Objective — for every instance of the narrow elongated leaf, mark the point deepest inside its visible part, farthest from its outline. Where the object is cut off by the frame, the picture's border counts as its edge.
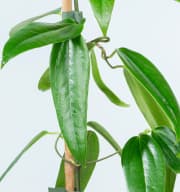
(151, 91)
(69, 73)
(171, 149)
(144, 165)
(26, 148)
(28, 21)
(85, 171)
(36, 34)
(102, 10)
(104, 133)
(44, 82)
(99, 82)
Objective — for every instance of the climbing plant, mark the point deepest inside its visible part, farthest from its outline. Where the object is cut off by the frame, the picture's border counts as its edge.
(150, 160)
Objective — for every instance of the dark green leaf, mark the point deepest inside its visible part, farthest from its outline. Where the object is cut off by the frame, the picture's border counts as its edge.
(170, 179)
(171, 149)
(85, 172)
(26, 148)
(144, 165)
(104, 133)
(57, 190)
(36, 34)
(28, 21)
(102, 10)
(99, 82)
(69, 72)
(44, 82)
(151, 91)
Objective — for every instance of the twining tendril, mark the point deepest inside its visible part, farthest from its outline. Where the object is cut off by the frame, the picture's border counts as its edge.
(106, 57)
(88, 163)
(96, 43)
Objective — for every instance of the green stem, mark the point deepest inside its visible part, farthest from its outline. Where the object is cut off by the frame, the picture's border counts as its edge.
(76, 5)
(104, 133)
(77, 179)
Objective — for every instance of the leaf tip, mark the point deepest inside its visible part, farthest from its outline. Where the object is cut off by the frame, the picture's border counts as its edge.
(2, 64)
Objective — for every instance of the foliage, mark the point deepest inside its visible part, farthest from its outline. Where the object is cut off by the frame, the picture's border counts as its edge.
(154, 153)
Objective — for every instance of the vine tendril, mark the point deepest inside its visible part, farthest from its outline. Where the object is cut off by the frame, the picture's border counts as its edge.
(88, 163)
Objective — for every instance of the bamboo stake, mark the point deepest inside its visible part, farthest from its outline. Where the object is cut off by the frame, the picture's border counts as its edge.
(69, 169)
(66, 5)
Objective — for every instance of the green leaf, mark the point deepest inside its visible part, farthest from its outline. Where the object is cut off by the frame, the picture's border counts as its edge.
(99, 82)
(85, 171)
(36, 34)
(28, 21)
(144, 165)
(171, 149)
(57, 190)
(69, 72)
(170, 180)
(151, 91)
(104, 133)
(102, 10)
(25, 149)
(44, 82)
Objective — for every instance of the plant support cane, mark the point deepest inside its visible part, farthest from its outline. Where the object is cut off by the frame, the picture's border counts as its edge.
(69, 169)
(153, 153)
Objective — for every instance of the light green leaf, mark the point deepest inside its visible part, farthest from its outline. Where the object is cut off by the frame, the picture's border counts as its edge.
(28, 21)
(44, 82)
(144, 165)
(151, 91)
(36, 34)
(167, 141)
(102, 86)
(25, 149)
(102, 10)
(69, 73)
(104, 133)
(85, 171)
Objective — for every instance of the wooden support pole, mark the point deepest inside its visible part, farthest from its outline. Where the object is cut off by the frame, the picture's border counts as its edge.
(66, 5)
(69, 171)
(68, 168)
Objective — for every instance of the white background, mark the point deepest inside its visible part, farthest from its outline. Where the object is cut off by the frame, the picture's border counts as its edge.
(150, 27)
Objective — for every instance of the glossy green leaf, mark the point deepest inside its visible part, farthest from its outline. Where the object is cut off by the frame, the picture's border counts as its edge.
(57, 190)
(44, 82)
(104, 133)
(25, 149)
(85, 171)
(171, 149)
(69, 73)
(151, 91)
(36, 34)
(144, 165)
(102, 10)
(28, 21)
(102, 86)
